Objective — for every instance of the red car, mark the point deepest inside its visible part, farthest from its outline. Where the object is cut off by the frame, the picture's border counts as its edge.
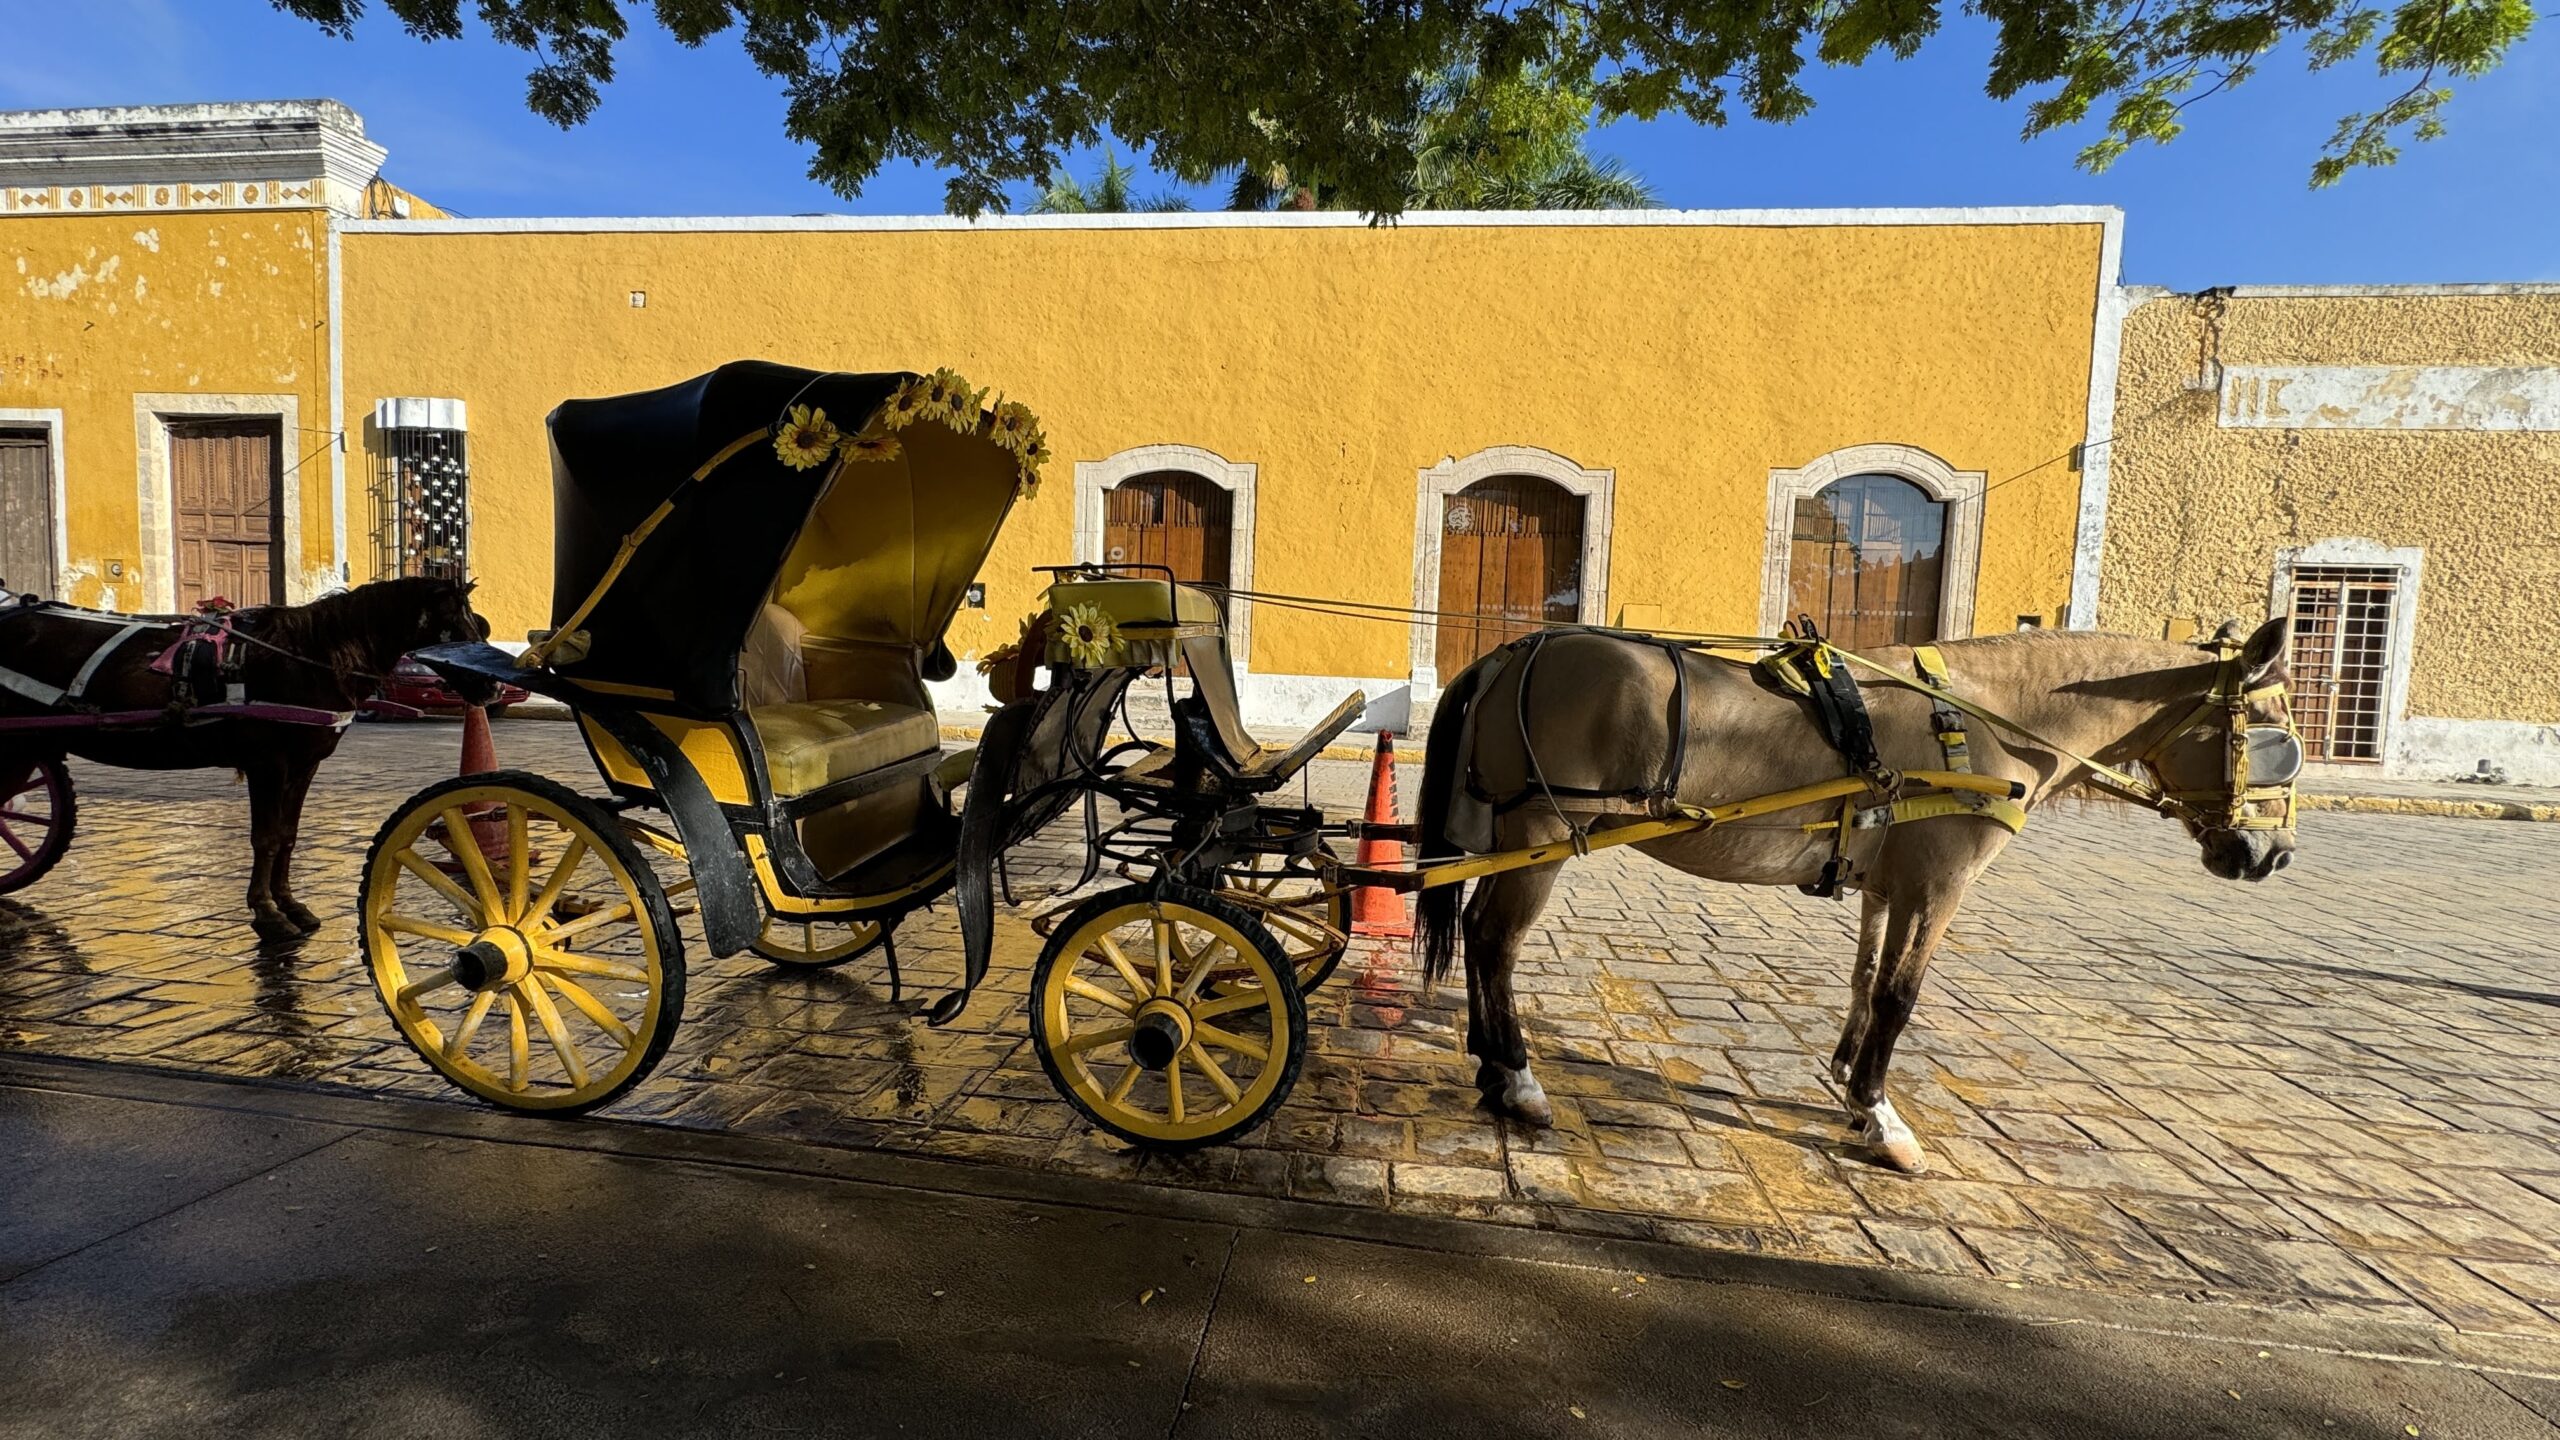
(414, 690)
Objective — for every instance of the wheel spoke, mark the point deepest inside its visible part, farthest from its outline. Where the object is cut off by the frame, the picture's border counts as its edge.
(1164, 955)
(1128, 1081)
(539, 908)
(583, 924)
(1218, 1077)
(1079, 1043)
(464, 844)
(470, 1026)
(418, 865)
(1227, 1040)
(400, 924)
(546, 957)
(1078, 985)
(1247, 999)
(1173, 1090)
(549, 1016)
(519, 859)
(591, 1007)
(8, 814)
(410, 992)
(519, 1051)
(15, 843)
(1111, 951)
(1200, 968)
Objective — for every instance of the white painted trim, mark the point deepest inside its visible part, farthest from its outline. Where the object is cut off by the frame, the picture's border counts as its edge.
(1433, 486)
(1960, 491)
(2410, 561)
(50, 421)
(2391, 292)
(337, 413)
(1093, 477)
(157, 541)
(2107, 215)
(2434, 748)
(2097, 436)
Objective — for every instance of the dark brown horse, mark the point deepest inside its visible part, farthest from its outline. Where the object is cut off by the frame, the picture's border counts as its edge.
(324, 657)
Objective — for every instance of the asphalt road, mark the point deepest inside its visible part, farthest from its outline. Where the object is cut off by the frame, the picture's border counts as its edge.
(188, 1257)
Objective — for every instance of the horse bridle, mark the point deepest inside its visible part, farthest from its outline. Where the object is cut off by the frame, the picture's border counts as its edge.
(2262, 759)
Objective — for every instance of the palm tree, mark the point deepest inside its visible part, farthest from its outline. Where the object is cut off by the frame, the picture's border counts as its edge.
(1113, 192)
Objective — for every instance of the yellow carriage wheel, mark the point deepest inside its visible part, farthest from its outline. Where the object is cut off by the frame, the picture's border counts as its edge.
(521, 943)
(1299, 904)
(815, 944)
(1124, 1024)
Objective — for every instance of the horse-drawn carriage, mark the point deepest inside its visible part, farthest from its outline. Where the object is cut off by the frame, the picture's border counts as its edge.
(749, 603)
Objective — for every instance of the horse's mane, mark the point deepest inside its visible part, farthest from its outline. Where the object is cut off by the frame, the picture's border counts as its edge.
(346, 631)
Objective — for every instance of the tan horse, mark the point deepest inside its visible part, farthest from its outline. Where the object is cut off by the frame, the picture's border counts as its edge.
(1598, 721)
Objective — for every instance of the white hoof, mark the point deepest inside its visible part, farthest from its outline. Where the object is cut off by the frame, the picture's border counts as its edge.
(1523, 1096)
(1893, 1141)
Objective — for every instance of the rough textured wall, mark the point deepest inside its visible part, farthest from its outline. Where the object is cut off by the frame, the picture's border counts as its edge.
(1691, 359)
(95, 309)
(2197, 511)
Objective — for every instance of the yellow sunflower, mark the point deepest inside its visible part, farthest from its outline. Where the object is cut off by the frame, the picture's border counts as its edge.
(873, 445)
(1088, 633)
(909, 403)
(806, 439)
(1031, 457)
(1014, 426)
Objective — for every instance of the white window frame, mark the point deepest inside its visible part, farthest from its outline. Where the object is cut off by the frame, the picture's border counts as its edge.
(1433, 485)
(1959, 490)
(1094, 477)
(50, 421)
(2410, 561)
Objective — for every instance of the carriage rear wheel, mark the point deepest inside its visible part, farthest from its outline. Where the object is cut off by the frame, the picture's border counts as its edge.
(818, 944)
(521, 942)
(1302, 908)
(37, 812)
(1124, 1022)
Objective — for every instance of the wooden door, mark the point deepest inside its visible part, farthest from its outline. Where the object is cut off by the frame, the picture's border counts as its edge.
(1171, 518)
(1868, 562)
(1511, 555)
(26, 512)
(225, 484)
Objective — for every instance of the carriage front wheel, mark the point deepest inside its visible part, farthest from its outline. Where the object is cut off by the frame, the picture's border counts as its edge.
(37, 811)
(816, 944)
(1129, 1028)
(521, 942)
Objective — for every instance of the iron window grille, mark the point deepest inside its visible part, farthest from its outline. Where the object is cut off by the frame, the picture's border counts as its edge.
(422, 503)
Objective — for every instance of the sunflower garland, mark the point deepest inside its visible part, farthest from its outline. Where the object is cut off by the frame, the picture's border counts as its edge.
(806, 438)
(1088, 633)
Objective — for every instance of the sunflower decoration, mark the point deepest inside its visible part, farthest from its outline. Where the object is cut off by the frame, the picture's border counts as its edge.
(806, 438)
(910, 402)
(1088, 633)
(954, 400)
(1031, 457)
(874, 443)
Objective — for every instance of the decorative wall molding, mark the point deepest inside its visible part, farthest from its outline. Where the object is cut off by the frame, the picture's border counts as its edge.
(1434, 484)
(1959, 490)
(1093, 477)
(266, 155)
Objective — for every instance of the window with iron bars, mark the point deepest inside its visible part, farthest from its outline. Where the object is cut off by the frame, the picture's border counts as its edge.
(2340, 658)
(422, 504)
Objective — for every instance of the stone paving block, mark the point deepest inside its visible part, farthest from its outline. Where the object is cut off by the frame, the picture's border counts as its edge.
(1545, 1179)
(1923, 1247)
(1338, 1178)
(2279, 1267)
(2107, 1170)
(2457, 1295)
(1945, 1201)
(1458, 1182)
(2022, 1255)
(1677, 1190)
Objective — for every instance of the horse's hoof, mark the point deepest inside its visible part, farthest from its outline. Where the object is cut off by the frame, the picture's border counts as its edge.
(276, 927)
(1522, 1098)
(1903, 1154)
(304, 918)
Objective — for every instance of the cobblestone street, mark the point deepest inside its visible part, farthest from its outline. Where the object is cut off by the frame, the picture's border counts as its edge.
(2334, 1092)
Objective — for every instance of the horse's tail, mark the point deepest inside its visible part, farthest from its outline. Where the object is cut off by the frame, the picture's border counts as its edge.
(1443, 770)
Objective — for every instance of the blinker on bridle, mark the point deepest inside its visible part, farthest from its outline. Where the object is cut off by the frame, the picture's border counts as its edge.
(2261, 762)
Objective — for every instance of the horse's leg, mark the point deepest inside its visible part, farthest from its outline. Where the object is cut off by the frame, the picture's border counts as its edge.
(1498, 914)
(1918, 917)
(1853, 1029)
(266, 831)
(296, 786)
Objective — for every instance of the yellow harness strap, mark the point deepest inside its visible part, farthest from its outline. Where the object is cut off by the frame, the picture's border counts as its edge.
(1947, 721)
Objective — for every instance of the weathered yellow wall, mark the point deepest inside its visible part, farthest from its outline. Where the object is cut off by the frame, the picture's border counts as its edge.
(1690, 359)
(95, 309)
(2197, 512)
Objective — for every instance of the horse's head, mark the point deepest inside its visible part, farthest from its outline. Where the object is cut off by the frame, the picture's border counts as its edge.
(2227, 770)
(445, 615)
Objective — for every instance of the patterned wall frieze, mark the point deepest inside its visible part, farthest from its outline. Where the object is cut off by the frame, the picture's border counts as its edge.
(295, 194)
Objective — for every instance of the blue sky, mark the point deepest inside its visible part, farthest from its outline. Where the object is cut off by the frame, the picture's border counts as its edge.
(700, 132)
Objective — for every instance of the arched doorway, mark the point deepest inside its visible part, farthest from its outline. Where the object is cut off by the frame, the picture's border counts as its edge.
(1511, 554)
(1171, 518)
(1868, 561)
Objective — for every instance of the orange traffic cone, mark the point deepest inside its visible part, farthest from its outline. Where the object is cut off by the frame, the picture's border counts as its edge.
(1374, 911)
(479, 757)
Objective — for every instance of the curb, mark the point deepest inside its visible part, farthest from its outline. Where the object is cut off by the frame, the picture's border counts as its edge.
(2428, 805)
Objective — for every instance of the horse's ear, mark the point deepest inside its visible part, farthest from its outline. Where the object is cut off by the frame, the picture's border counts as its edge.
(2264, 652)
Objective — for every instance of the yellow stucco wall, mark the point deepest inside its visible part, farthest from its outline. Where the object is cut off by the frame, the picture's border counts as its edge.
(1690, 359)
(2198, 511)
(97, 309)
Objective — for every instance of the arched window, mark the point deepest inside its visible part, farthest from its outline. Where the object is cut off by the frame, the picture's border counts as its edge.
(1867, 561)
(1511, 553)
(1170, 518)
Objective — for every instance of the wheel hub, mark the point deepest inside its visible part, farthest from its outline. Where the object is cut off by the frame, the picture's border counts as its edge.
(498, 958)
(1159, 1033)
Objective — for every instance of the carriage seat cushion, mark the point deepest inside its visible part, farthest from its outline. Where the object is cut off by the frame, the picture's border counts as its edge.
(814, 744)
